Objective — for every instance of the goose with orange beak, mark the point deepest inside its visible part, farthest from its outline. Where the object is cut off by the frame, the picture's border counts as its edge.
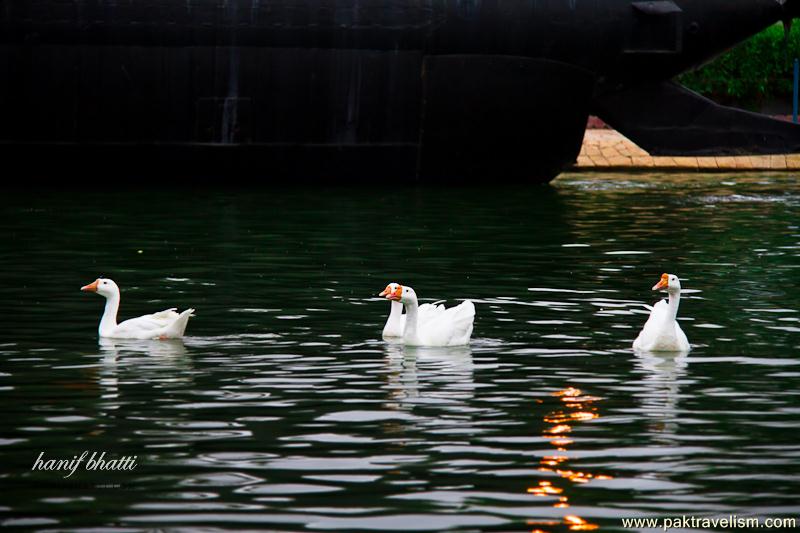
(166, 324)
(661, 332)
(435, 326)
(396, 322)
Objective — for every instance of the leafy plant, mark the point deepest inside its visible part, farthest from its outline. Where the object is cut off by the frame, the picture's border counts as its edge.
(751, 74)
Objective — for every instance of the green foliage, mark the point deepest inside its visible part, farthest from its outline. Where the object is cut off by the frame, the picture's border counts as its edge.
(755, 72)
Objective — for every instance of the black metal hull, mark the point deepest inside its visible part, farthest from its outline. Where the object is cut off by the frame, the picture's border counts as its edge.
(291, 113)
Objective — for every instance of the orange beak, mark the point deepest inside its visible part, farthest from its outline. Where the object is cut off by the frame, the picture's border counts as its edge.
(663, 283)
(392, 295)
(92, 287)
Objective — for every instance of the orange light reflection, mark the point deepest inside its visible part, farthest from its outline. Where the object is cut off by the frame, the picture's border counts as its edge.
(576, 523)
(577, 408)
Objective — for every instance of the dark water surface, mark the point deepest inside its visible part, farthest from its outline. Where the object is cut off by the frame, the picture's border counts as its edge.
(283, 409)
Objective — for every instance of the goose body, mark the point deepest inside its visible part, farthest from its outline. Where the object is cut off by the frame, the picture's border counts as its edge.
(167, 324)
(661, 332)
(435, 325)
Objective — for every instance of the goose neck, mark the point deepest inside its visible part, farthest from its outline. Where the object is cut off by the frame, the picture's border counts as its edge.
(109, 320)
(674, 302)
(396, 310)
(411, 320)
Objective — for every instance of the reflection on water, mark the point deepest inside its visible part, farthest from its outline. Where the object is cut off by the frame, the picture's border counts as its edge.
(283, 409)
(113, 348)
(447, 374)
(664, 372)
(576, 407)
(166, 357)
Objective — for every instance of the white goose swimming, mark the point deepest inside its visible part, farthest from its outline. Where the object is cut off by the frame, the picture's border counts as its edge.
(448, 327)
(661, 332)
(396, 323)
(162, 325)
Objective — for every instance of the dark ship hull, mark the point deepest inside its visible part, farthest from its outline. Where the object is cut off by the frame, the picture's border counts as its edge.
(349, 90)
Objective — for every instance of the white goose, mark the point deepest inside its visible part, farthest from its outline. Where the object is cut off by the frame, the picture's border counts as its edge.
(162, 325)
(396, 323)
(448, 327)
(661, 332)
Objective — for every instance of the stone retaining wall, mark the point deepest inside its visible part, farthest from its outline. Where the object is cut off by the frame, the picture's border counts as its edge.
(607, 149)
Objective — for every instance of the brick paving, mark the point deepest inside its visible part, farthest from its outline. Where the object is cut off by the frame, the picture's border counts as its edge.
(605, 149)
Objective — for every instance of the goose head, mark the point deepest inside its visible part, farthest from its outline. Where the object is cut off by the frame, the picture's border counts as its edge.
(102, 286)
(399, 293)
(391, 289)
(669, 283)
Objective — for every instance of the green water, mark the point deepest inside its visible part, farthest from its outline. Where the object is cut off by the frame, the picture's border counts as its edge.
(284, 410)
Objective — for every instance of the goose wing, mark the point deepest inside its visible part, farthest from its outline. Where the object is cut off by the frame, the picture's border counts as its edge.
(149, 323)
(426, 312)
(450, 327)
